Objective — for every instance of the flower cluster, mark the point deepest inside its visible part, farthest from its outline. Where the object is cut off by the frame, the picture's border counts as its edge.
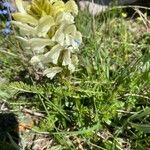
(5, 9)
(48, 34)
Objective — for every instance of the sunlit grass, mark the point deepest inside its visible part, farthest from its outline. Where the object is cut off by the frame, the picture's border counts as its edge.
(105, 103)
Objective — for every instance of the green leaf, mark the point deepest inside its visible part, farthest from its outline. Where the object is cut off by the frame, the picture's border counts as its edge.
(140, 114)
(142, 127)
(4, 94)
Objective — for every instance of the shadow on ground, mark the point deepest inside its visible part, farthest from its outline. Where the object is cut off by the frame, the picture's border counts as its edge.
(9, 136)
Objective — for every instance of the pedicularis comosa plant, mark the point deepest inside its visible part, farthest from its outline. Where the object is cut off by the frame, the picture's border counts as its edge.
(48, 34)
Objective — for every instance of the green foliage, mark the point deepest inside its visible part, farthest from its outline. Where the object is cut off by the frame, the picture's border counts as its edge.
(6, 146)
(105, 102)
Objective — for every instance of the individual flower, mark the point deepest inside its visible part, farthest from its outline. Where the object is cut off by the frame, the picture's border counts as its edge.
(9, 6)
(6, 31)
(5, 16)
